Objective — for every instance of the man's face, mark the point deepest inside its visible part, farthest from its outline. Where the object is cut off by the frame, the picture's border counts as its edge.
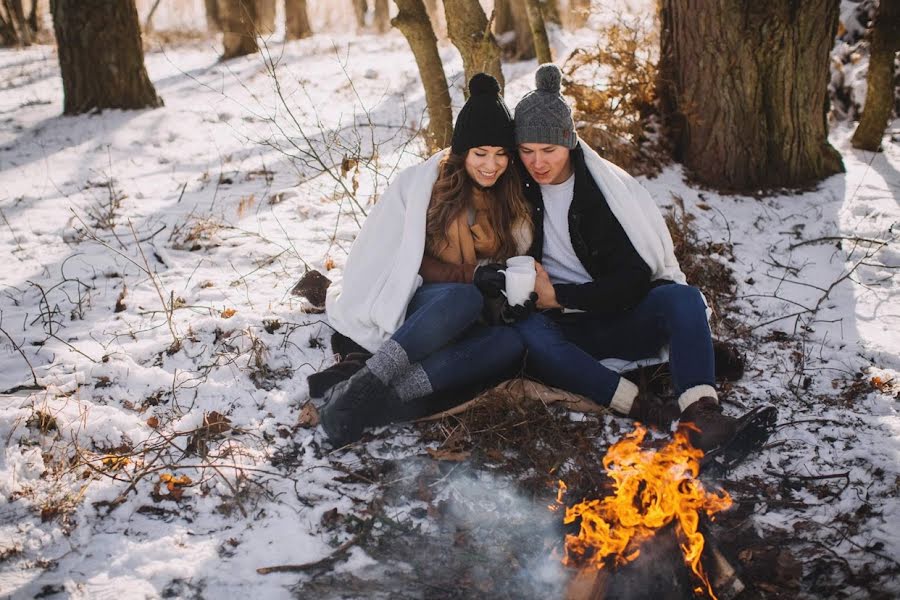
(546, 163)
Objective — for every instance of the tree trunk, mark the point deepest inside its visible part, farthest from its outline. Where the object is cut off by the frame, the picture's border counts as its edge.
(764, 127)
(34, 17)
(538, 31)
(16, 32)
(880, 78)
(523, 45)
(265, 17)
(412, 21)
(238, 19)
(382, 18)
(296, 20)
(503, 21)
(470, 32)
(551, 11)
(148, 22)
(100, 56)
(213, 21)
(360, 8)
(438, 23)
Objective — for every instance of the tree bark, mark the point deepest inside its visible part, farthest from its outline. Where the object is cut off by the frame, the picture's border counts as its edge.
(502, 17)
(885, 42)
(382, 16)
(265, 17)
(523, 46)
(34, 17)
(238, 19)
(551, 11)
(412, 21)
(213, 21)
(538, 31)
(16, 32)
(470, 32)
(764, 127)
(296, 20)
(100, 56)
(360, 8)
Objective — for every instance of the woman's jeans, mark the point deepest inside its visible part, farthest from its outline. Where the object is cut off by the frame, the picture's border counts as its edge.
(564, 349)
(442, 334)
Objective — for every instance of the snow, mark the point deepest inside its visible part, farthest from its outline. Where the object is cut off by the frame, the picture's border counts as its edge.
(229, 211)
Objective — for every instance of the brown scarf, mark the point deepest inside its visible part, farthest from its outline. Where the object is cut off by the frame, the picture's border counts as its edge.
(465, 244)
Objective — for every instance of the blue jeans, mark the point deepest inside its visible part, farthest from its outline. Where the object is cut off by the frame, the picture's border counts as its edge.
(564, 349)
(441, 333)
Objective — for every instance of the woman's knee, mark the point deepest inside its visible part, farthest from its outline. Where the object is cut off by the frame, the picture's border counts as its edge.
(679, 299)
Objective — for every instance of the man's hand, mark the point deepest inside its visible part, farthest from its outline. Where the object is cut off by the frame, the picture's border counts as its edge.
(544, 289)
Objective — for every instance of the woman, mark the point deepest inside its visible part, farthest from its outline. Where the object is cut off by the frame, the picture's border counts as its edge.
(414, 284)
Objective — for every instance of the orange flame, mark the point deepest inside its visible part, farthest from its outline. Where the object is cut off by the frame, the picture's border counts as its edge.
(652, 488)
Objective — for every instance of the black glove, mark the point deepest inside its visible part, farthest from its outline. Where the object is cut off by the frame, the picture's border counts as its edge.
(520, 312)
(489, 280)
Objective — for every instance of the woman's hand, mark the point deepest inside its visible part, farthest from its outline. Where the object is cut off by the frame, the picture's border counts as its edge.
(544, 289)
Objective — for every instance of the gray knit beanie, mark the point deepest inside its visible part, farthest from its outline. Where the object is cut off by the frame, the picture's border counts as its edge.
(542, 116)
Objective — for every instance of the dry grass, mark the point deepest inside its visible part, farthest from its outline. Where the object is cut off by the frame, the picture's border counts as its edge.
(614, 89)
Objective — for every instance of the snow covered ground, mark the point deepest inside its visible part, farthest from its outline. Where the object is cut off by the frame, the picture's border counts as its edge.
(148, 259)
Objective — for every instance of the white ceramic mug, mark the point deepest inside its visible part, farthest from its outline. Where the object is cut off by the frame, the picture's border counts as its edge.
(520, 261)
(519, 284)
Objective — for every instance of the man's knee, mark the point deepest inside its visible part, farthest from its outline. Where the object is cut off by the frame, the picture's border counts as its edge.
(679, 300)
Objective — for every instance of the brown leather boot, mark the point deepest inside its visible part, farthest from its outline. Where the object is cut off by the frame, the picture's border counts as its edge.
(650, 409)
(706, 426)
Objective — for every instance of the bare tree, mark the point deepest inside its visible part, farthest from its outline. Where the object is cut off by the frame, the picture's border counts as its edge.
(551, 11)
(100, 56)
(296, 20)
(213, 21)
(14, 27)
(885, 42)
(470, 32)
(382, 16)
(360, 8)
(413, 22)
(764, 127)
(238, 19)
(579, 11)
(511, 15)
(538, 31)
(265, 17)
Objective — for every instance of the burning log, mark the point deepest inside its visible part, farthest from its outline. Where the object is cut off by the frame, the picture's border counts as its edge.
(628, 541)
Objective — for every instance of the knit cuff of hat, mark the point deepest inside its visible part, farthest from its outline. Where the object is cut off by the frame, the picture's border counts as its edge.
(389, 362)
(413, 384)
(540, 134)
(624, 397)
(691, 395)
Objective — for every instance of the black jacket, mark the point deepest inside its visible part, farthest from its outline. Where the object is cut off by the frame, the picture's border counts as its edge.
(621, 278)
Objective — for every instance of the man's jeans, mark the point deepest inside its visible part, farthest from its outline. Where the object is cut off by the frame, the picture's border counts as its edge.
(441, 333)
(564, 349)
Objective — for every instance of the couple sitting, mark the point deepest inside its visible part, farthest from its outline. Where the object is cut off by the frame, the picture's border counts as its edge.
(422, 286)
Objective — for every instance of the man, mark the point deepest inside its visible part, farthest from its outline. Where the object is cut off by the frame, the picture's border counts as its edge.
(608, 282)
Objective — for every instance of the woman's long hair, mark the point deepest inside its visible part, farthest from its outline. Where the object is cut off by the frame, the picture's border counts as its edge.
(452, 194)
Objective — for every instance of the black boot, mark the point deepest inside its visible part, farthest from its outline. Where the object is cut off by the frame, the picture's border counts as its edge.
(352, 405)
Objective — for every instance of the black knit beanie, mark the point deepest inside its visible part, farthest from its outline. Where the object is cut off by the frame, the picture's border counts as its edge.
(484, 120)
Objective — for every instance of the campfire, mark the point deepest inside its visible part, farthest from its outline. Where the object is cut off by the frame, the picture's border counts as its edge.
(654, 493)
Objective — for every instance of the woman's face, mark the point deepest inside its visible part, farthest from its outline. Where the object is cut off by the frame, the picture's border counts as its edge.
(485, 164)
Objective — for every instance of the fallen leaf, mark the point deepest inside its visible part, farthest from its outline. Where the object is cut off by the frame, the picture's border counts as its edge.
(153, 422)
(329, 263)
(309, 416)
(228, 313)
(216, 423)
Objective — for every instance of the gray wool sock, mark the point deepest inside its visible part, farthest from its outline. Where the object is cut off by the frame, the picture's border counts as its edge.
(388, 362)
(412, 384)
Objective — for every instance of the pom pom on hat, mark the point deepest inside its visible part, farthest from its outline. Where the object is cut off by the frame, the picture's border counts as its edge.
(482, 83)
(548, 78)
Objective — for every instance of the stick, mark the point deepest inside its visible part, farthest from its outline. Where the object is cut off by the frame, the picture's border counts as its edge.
(328, 560)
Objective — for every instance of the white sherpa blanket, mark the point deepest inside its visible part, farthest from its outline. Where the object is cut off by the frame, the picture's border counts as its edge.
(382, 272)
